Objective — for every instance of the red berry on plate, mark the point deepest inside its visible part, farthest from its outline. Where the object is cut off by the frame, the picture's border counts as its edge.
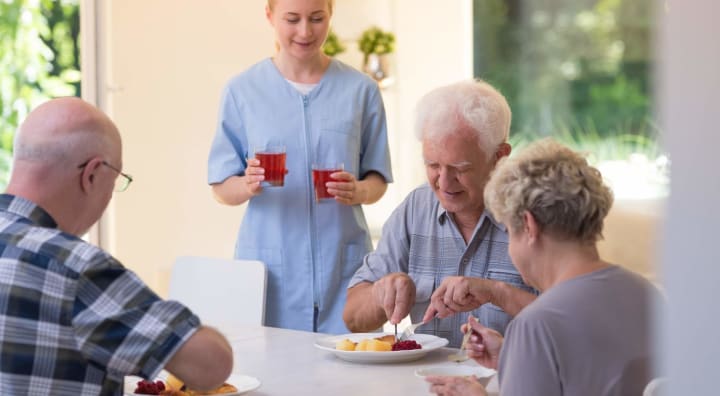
(406, 345)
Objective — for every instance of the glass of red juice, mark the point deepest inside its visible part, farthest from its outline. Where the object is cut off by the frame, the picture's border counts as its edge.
(272, 159)
(321, 175)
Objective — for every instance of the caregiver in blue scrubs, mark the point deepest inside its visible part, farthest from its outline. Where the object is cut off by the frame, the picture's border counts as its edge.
(317, 107)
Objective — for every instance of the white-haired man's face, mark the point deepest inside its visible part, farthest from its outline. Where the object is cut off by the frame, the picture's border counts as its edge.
(457, 170)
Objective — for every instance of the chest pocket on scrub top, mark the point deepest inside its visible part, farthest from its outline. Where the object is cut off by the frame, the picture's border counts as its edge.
(339, 141)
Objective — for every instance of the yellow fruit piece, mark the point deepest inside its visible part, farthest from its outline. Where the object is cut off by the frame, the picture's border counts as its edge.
(362, 345)
(382, 346)
(374, 345)
(173, 382)
(345, 345)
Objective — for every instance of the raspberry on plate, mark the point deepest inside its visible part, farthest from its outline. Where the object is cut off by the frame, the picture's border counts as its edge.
(146, 387)
(406, 345)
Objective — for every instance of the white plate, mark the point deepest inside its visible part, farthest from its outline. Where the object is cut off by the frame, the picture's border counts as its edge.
(482, 373)
(243, 383)
(428, 342)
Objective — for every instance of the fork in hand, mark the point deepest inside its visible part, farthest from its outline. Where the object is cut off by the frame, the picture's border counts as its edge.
(410, 330)
(460, 356)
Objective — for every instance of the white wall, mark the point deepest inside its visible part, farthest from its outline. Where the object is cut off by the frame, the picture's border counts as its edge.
(631, 232)
(167, 63)
(164, 63)
(690, 103)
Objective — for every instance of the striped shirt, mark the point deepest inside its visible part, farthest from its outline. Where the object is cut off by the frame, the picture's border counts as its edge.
(421, 240)
(73, 320)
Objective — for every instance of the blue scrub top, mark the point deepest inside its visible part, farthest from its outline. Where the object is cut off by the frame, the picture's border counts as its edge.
(311, 249)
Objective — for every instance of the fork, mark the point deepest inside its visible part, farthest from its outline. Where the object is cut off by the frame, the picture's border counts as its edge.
(460, 356)
(410, 330)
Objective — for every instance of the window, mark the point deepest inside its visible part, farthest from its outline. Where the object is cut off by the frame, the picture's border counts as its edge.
(39, 60)
(581, 72)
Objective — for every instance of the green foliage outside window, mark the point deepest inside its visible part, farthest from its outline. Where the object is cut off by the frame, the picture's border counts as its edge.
(39, 59)
(578, 70)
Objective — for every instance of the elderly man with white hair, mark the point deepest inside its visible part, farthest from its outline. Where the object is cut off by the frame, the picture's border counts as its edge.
(441, 238)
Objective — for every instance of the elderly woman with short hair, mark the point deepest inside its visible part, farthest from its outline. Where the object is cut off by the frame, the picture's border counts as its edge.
(588, 333)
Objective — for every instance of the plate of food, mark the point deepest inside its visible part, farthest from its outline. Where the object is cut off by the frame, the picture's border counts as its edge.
(378, 347)
(168, 385)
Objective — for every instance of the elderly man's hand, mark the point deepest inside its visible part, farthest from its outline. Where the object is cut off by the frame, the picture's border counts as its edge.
(458, 294)
(395, 293)
(456, 386)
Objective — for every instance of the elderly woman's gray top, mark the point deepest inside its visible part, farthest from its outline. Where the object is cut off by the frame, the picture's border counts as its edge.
(590, 335)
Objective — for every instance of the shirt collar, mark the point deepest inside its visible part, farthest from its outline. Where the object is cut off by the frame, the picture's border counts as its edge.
(443, 215)
(22, 207)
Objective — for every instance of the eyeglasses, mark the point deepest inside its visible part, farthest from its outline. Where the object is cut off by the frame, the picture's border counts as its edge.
(121, 183)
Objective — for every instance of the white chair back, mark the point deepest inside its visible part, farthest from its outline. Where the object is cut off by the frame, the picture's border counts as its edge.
(222, 292)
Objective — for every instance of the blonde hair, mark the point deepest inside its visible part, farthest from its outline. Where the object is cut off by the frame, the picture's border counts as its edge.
(474, 103)
(563, 192)
(330, 3)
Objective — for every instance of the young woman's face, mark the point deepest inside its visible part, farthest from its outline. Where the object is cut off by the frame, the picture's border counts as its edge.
(301, 26)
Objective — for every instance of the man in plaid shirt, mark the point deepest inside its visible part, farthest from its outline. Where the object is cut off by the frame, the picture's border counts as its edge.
(73, 320)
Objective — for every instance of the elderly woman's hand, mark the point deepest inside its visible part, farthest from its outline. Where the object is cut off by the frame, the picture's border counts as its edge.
(456, 386)
(484, 345)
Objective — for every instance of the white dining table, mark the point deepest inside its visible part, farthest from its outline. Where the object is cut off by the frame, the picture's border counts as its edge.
(287, 363)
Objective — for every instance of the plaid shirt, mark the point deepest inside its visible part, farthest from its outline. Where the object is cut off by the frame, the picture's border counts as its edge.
(73, 320)
(421, 240)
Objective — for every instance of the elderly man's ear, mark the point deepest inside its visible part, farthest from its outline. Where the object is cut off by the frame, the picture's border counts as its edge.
(503, 150)
(87, 177)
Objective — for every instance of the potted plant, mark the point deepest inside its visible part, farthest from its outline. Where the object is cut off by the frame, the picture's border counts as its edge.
(375, 44)
(333, 45)
(376, 41)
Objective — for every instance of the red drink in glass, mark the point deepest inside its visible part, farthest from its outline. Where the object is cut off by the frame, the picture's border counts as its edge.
(320, 177)
(274, 165)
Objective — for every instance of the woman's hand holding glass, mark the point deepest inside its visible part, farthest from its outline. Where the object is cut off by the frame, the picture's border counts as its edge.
(254, 175)
(346, 190)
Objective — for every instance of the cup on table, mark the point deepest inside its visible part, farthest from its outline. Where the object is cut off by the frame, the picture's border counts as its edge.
(320, 175)
(272, 159)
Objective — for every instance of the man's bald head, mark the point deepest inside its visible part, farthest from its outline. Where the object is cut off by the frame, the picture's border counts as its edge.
(61, 158)
(65, 130)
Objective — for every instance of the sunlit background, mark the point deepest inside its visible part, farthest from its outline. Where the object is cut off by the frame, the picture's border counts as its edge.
(582, 71)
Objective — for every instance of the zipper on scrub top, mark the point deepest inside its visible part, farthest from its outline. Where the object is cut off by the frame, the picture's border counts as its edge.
(313, 241)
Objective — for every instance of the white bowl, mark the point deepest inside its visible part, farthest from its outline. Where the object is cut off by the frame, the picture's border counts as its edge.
(482, 373)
